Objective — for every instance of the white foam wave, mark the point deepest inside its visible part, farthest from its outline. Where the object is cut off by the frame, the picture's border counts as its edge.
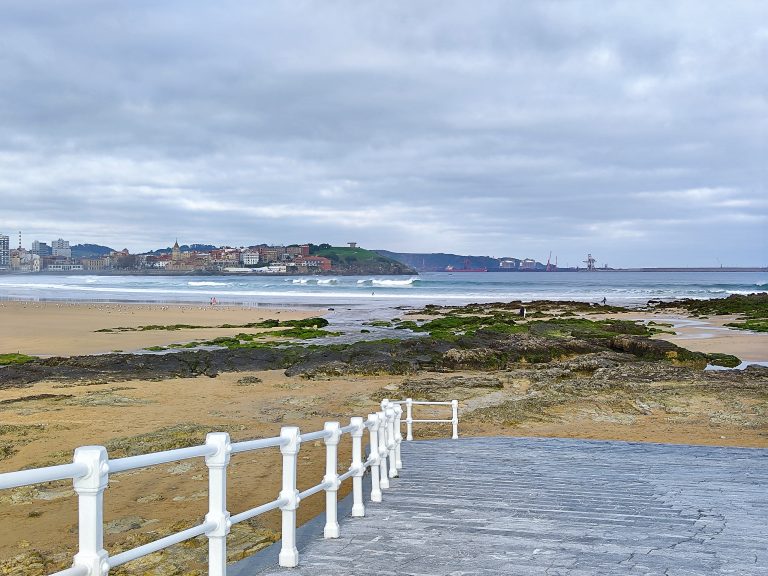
(409, 282)
(208, 283)
(328, 281)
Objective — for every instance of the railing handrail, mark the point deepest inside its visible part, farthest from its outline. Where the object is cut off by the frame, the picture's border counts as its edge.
(40, 475)
(91, 469)
(158, 458)
(410, 421)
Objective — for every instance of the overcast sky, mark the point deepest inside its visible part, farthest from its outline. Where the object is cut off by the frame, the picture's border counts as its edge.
(637, 131)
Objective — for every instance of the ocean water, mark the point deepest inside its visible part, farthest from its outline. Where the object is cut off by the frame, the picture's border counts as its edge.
(371, 292)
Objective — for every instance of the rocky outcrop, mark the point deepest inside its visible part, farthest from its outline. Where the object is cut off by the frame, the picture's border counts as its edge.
(424, 387)
(377, 357)
(117, 367)
(492, 351)
(484, 350)
(657, 350)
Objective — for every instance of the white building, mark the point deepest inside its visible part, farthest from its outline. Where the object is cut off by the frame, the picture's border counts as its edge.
(23, 261)
(274, 269)
(64, 267)
(250, 258)
(61, 247)
(5, 252)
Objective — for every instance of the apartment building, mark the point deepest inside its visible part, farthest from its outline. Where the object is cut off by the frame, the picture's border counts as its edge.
(5, 252)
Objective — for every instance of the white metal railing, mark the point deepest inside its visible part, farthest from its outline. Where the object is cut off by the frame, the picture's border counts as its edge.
(91, 469)
(410, 421)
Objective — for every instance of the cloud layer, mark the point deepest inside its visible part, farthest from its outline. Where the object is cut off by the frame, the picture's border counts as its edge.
(637, 132)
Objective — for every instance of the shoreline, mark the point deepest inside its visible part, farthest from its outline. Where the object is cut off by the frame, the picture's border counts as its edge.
(47, 329)
(707, 336)
(195, 273)
(70, 327)
(145, 272)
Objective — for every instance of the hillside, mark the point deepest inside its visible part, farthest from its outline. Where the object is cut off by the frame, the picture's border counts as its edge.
(360, 261)
(184, 248)
(424, 262)
(90, 250)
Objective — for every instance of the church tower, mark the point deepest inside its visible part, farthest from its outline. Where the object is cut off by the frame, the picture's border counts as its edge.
(176, 252)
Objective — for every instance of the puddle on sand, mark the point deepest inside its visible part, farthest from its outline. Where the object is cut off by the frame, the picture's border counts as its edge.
(739, 367)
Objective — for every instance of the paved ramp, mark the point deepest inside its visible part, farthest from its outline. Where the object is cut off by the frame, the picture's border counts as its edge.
(486, 506)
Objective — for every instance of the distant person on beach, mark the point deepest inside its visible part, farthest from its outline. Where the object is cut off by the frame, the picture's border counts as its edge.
(604, 300)
(522, 312)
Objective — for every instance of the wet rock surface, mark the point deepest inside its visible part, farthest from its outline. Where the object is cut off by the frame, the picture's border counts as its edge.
(483, 351)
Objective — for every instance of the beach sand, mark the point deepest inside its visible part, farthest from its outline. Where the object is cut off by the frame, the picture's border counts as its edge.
(69, 329)
(704, 335)
(42, 425)
(45, 432)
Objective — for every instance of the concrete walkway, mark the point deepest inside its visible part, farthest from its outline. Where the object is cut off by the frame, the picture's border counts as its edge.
(487, 506)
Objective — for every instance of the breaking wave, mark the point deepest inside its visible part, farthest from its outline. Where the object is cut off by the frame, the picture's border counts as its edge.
(388, 283)
(209, 283)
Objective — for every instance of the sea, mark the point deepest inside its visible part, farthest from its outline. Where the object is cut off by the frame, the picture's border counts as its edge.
(630, 289)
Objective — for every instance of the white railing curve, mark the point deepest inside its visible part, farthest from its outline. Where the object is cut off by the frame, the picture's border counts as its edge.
(91, 469)
(410, 421)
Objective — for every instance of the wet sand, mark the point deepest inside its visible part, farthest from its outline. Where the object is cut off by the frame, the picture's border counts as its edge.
(67, 329)
(704, 335)
(70, 329)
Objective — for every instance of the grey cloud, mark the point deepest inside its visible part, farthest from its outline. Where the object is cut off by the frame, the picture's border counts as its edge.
(495, 127)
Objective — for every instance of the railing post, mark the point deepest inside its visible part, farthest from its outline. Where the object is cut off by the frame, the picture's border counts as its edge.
(331, 529)
(358, 508)
(383, 475)
(398, 435)
(373, 434)
(391, 442)
(409, 419)
(217, 502)
(455, 418)
(289, 555)
(90, 493)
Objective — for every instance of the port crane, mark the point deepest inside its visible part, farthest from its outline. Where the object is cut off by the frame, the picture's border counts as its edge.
(551, 267)
(590, 262)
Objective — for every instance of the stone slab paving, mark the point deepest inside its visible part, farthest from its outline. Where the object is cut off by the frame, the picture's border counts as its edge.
(485, 506)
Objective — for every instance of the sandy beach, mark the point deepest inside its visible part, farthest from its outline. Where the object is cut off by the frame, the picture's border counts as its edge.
(42, 424)
(703, 335)
(69, 329)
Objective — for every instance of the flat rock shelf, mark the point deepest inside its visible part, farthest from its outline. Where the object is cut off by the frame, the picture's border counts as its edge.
(489, 506)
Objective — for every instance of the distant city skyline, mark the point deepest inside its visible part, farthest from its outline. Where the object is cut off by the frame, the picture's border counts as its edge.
(637, 132)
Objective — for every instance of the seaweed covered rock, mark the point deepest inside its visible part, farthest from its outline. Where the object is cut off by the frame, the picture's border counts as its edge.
(657, 350)
(374, 357)
(473, 358)
(589, 363)
(456, 386)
